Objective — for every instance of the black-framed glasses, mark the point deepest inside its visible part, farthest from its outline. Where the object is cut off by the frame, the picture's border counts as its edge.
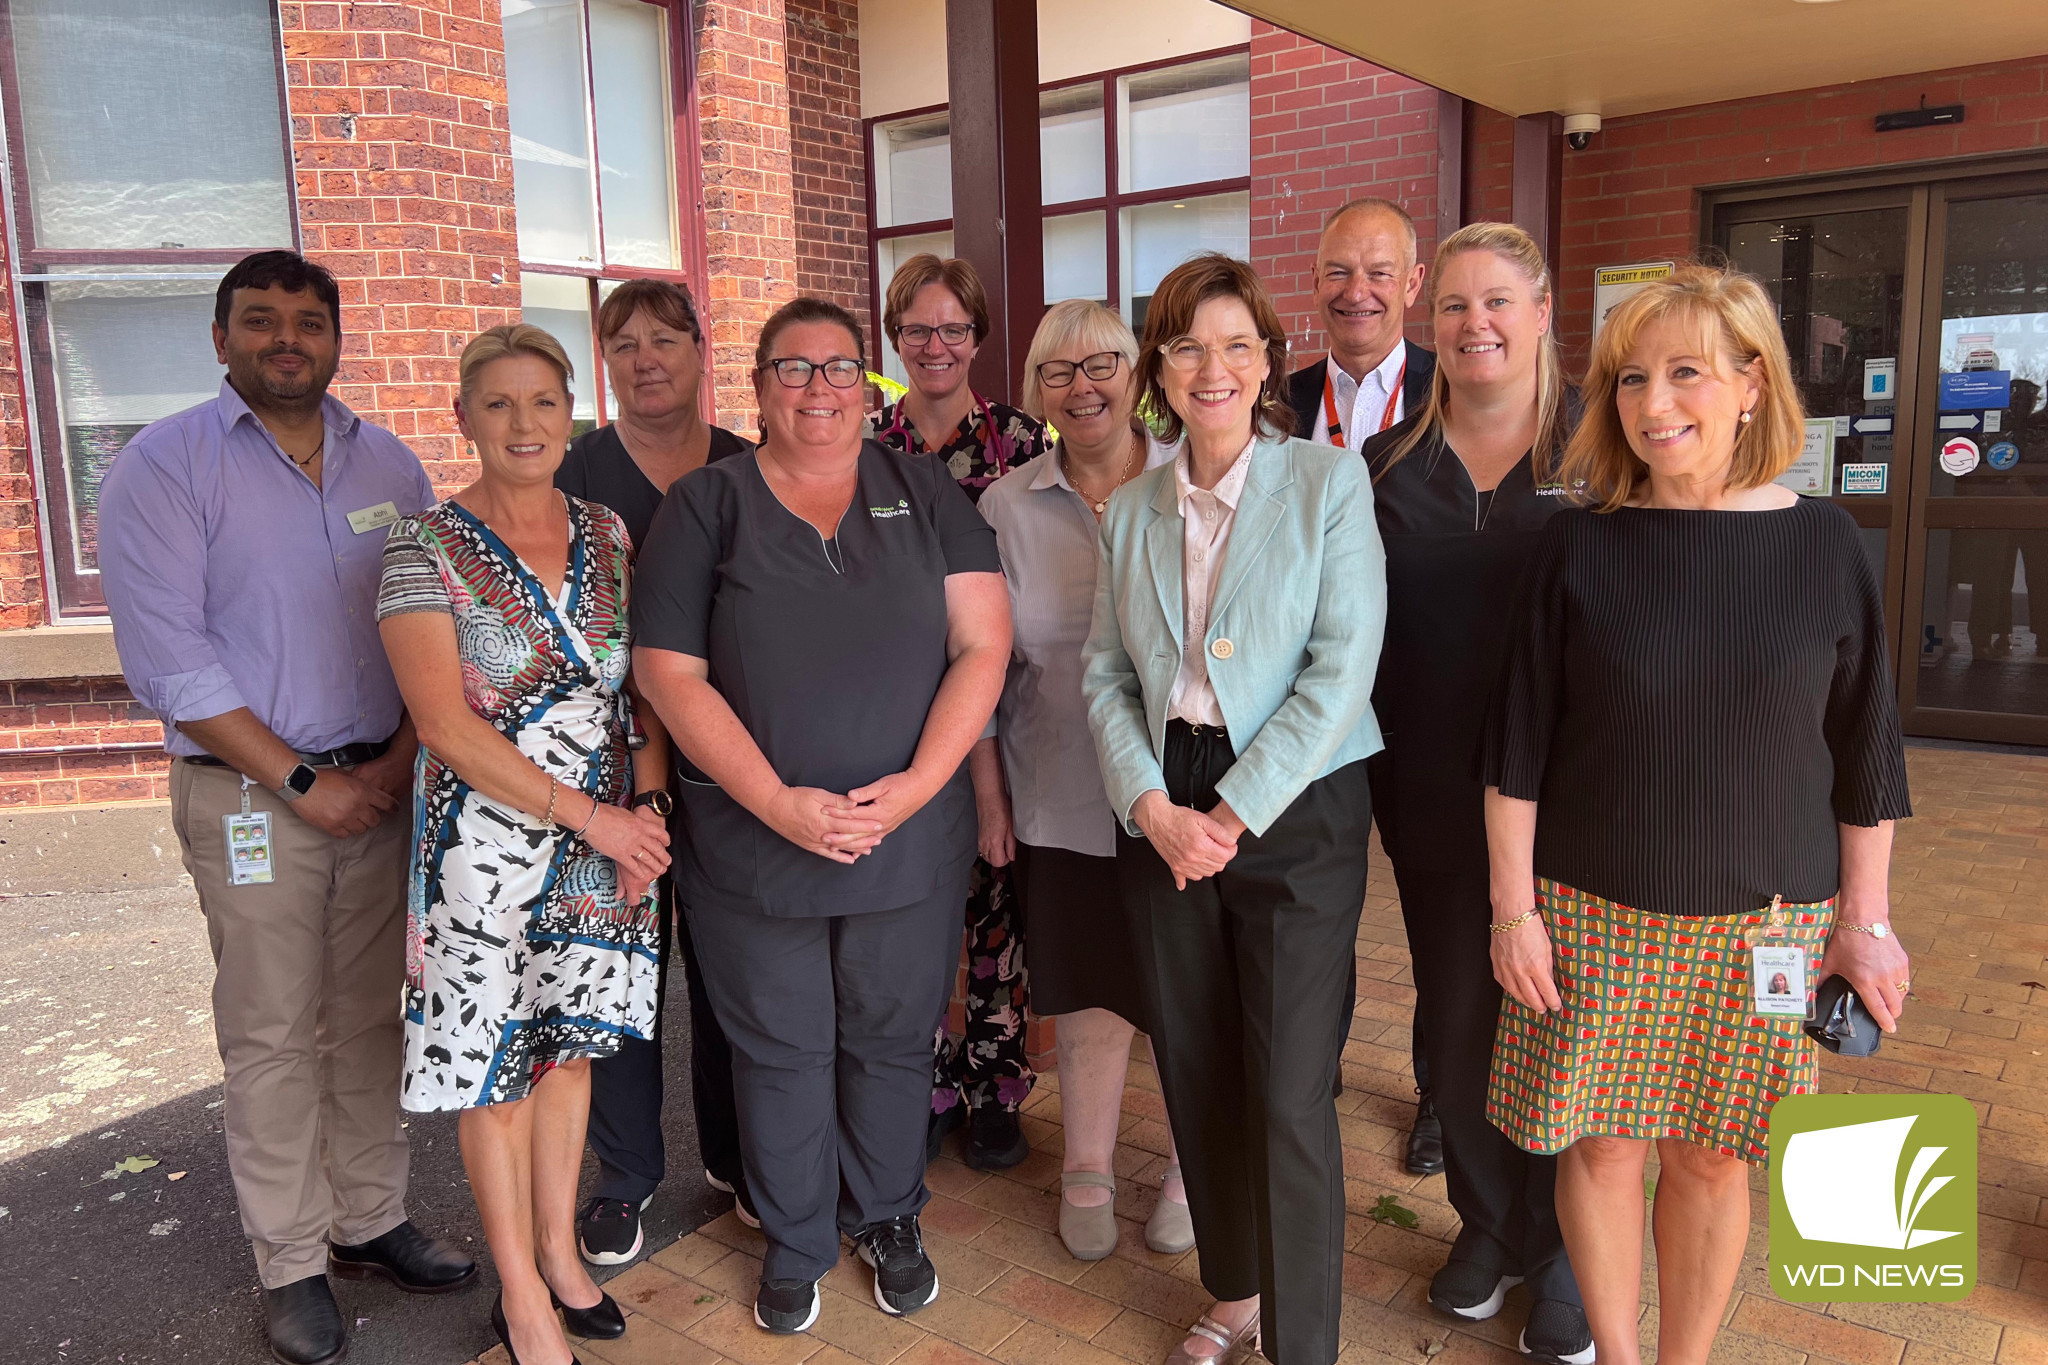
(1058, 374)
(915, 335)
(1238, 352)
(795, 373)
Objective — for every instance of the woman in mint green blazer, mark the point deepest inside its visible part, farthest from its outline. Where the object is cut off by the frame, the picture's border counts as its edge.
(1228, 675)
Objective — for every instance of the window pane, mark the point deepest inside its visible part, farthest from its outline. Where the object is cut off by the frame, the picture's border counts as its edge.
(891, 252)
(129, 146)
(550, 130)
(560, 305)
(1158, 237)
(124, 353)
(629, 63)
(1070, 144)
(1187, 124)
(1983, 620)
(914, 171)
(1076, 258)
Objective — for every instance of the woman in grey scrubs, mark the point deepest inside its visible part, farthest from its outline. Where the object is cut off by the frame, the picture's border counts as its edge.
(823, 627)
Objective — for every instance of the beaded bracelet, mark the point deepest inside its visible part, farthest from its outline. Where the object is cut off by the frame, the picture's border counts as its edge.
(1517, 922)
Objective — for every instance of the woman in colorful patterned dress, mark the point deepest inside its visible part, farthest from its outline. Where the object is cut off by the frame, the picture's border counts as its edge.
(533, 940)
(936, 316)
(1694, 753)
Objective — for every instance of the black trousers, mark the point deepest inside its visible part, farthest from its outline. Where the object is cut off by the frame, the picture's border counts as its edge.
(830, 1020)
(626, 1088)
(1247, 969)
(1505, 1196)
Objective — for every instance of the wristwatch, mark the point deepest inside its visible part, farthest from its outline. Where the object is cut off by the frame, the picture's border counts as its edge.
(1874, 930)
(664, 804)
(297, 782)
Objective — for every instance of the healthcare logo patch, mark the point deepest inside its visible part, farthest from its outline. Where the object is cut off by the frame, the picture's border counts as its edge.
(1873, 1198)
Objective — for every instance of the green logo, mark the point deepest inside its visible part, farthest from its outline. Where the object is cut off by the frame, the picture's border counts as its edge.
(1873, 1198)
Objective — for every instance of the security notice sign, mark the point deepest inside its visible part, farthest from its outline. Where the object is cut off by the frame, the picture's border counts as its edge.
(1613, 283)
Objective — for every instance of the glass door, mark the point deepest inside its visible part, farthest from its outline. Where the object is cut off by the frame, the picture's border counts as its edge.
(1839, 267)
(1979, 581)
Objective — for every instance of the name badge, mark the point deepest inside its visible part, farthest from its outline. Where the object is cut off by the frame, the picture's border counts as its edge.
(372, 518)
(248, 839)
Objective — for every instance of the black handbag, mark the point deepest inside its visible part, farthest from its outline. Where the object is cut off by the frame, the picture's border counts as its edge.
(1841, 1023)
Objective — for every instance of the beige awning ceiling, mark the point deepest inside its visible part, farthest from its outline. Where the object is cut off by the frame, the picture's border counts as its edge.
(1615, 57)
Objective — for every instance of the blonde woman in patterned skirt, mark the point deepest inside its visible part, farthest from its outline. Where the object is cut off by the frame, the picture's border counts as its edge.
(1695, 743)
(533, 942)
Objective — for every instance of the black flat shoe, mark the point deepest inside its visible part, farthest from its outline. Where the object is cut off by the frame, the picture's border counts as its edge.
(602, 1321)
(415, 1262)
(304, 1322)
(1425, 1155)
(995, 1139)
(505, 1333)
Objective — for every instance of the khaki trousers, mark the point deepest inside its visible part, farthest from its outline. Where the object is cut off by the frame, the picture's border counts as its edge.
(306, 1010)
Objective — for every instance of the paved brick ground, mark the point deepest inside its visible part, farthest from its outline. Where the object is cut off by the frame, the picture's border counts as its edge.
(1971, 901)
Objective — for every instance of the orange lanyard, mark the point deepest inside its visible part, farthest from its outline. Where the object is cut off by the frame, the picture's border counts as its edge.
(1330, 420)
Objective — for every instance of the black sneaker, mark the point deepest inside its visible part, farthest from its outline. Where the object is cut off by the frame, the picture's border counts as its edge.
(1557, 1333)
(609, 1232)
(905, 1278)
(786, 1307)
(996, 1142)
(743, 1204)
(1470, 1290)
(943, 1121)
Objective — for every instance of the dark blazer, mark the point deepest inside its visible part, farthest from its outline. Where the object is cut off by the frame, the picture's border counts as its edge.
(1305, 388)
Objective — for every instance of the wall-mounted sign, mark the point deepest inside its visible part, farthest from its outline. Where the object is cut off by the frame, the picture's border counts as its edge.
(1813, 471)
(1880, 379)
(1976, 389)
(1613, 283)
(1959, 455)
(1864, 478)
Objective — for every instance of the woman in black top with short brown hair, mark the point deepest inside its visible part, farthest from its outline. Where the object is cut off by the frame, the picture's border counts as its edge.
(1462, 490)
(655, 357)
(1694, 763)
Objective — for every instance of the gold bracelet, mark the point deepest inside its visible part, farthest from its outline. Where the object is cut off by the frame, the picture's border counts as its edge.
(554, 789)
(1517, 922)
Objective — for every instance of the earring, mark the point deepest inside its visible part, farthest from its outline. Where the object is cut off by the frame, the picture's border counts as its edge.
(1745, 414)
(472, 444)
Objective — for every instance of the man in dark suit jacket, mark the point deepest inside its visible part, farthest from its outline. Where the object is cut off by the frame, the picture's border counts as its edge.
(1367, 278)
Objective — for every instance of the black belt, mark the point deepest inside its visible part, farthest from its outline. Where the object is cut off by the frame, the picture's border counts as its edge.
(1199, 731)
(347, 756)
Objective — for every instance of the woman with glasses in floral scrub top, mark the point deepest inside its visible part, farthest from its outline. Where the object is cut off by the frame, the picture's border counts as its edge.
(936, 315)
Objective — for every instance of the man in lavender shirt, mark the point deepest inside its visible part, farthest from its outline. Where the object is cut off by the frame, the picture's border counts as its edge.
(240, 547)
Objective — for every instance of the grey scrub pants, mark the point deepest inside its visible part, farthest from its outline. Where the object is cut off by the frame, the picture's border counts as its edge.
(830, 1021)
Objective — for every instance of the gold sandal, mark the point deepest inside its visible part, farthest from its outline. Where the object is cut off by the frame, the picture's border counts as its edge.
(1226, 1340)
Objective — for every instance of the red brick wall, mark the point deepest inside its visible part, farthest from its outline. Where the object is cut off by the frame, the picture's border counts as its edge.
(73, 712)
(1489, 166)
(403, 154)
(1633, 194)
(1327, 128)
(21, 554)
(749, 211)
(828, 167)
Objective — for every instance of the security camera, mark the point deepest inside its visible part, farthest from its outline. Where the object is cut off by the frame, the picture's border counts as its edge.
(1579, 130)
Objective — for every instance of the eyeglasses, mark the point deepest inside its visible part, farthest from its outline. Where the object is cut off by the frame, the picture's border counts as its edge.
(1058, 374)
(1238, 353)
(915, 335)
(796, 374)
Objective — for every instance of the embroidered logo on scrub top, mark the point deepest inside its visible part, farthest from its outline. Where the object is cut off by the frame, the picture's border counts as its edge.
(901, 509)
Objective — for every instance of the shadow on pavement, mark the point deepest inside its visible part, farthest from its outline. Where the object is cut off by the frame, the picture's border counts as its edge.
(138, 1267)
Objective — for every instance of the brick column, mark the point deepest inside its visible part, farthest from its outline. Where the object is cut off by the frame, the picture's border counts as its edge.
(403, 155)
(749, 205)
(828, 165)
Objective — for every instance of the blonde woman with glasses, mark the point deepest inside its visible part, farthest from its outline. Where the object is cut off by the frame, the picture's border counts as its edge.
(1055, 816)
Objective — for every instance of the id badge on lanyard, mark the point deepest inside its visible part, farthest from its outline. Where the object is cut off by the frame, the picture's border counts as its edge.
(248, 844)
(1777, 968)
